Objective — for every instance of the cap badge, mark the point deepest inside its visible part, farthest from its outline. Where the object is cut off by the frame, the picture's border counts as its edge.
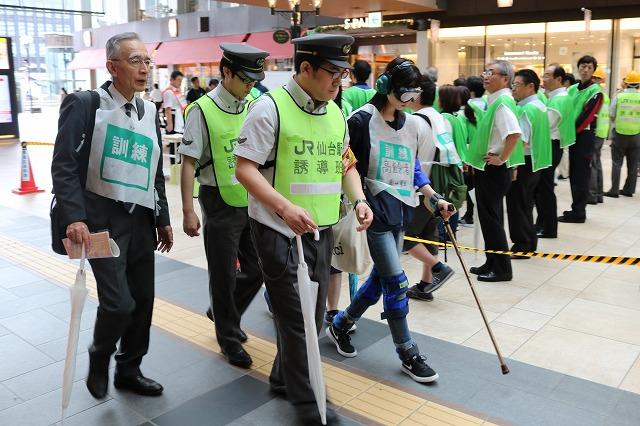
(346, 48)
(260, 62)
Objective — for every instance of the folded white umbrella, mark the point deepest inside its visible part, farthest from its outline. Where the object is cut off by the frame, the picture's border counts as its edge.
(78, 297)
(308, 291)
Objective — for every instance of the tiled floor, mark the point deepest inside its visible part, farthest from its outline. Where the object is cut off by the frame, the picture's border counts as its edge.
(579, 319)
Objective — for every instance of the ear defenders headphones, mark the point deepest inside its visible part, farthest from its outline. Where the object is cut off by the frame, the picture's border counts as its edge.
(383, 83)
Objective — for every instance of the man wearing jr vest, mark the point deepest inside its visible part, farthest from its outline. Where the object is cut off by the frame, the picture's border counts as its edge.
(625, 113)
(111, 178)
(563, 134)
(587, 101)
(294, 160)
(496, 140)
(596, 191)
(532, 116)
(211, 132)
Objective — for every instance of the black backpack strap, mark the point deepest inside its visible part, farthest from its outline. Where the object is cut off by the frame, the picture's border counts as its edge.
(426, 118)
(91, 103)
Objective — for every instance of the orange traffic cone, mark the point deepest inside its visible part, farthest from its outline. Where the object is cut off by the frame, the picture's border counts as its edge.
(27, 182)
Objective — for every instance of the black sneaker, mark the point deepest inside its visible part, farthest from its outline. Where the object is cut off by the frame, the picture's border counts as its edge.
(439, 278)
(342, 342)
(330, 315)
(414, 292)
(416, 367)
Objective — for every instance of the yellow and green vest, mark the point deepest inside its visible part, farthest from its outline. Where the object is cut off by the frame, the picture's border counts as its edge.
(628, 113)
(223, 128)
(480, 145)
(308, 163)
(540, 137)
(581, 97)
(604, 124)
(563, 105)
(253, 95)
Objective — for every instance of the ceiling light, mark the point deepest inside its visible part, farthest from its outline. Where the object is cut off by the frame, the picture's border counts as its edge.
(505, 3)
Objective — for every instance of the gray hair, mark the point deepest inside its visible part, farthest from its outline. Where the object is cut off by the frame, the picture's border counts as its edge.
(432, 73)
(113, 44)
(506, 69)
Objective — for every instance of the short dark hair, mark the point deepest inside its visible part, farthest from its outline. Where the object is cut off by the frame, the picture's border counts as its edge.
(449, 98)
(558, 71)
(194, 79)
(176, 74)
(305, 57)
(570, 78)
(588, 59)
(428, 87)
(226, 63)
(405, 76)
(214, 81)
(361, 70)
(529, 77)
(460, 81)
(475, 85)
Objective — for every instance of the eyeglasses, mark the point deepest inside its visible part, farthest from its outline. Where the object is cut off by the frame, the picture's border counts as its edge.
(136, 61)
(489, 73)
(246, 80)
(336, 74)
(515, 85)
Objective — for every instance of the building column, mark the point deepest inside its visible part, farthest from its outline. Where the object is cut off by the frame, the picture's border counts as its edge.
(423, 50)
(614, 65)
(86, 24)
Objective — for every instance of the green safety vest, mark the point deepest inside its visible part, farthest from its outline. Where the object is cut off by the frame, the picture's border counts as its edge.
(628, 113)
(308, 163)
(223, 128)
(581, 97)
(480, 145)
(603, 124)
(542, 97)
(459, 134)
(357, 96)
(347, 108)
(563, 105)
(253, 94)
(540, 138)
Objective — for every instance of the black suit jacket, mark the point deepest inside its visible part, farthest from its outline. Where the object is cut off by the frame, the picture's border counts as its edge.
(71, 155)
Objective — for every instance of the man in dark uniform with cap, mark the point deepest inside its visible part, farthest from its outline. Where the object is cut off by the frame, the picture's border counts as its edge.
(294, 170)
(211, 132)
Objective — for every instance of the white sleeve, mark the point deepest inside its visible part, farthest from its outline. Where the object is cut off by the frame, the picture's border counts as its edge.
(169, 99)
(258, 134)
(506, 122)
(195, 134)
(523, 121)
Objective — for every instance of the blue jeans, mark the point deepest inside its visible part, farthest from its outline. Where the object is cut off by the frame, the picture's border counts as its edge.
(385, 248)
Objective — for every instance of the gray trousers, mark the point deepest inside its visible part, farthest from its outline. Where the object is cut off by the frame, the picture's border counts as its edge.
(278, 259)
(624, 146)
(596, 184)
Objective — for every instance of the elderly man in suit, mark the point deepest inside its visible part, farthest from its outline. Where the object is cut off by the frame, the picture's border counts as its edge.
(107, 174)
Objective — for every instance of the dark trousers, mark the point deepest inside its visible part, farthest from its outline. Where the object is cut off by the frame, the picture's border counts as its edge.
(125, 284)
(580, 155)
(492, 185)
(227, 239)
(520, 200)
(546, 202)
(596, 191)
(279, 262)
(468, 180)
(624, 146)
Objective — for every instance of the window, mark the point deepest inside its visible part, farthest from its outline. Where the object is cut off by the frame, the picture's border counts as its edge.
(459, 52)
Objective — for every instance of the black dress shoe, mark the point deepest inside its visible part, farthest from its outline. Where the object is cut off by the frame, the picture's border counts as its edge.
(240, 358)
(545, 235)
(479, 270)
(210, 314)
(626, 194)
(571, 218)
(97, 383)
(611, 194)
(493, 277)
(600, 200)
(139, 384)
(592, 201)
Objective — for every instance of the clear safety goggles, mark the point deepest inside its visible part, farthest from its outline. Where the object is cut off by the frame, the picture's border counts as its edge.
(407, 94)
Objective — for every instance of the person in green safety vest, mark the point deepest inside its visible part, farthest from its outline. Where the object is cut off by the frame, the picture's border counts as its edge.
(596, 190)
(496, 140)
(563, 134)
(213, 124)
(360, 93)
(293, 157)
(587, 100)
(534, 122)
(625, 113)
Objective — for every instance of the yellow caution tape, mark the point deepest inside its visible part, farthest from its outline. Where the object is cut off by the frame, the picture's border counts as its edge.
(615, 260)
(39, 143)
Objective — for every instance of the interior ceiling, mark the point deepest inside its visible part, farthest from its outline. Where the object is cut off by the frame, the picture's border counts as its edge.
(356, 8)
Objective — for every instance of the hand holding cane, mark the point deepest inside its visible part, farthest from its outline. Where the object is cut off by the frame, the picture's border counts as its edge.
(503, 365)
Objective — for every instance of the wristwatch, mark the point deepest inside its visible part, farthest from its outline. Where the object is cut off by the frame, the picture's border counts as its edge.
(358, 201)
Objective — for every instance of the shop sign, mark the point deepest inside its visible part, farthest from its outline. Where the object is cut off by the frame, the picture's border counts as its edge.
(522, 55)
(280, 36)
(373, 20)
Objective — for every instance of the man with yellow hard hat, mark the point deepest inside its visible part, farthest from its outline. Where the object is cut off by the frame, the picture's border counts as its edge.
(625, 113)
(602, 133)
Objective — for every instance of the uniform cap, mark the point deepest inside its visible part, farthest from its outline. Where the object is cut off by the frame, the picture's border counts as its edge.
(334, 48)
(245, 58)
